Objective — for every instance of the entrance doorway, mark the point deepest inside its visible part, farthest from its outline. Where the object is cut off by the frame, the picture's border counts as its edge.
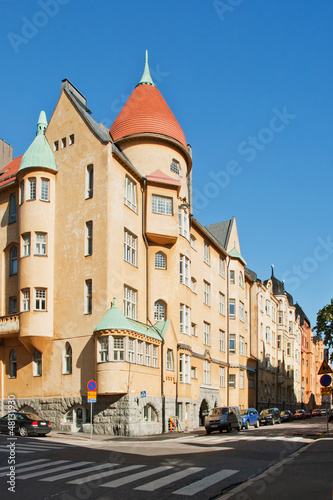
(203, 412)
(77, 416)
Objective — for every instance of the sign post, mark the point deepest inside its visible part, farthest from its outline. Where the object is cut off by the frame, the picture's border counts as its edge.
(326, 390)
(92, 398)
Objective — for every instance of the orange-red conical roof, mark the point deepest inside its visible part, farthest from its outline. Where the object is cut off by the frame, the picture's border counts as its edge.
(147, 112)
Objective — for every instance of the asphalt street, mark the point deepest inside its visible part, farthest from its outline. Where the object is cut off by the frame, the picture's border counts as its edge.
(255, 463)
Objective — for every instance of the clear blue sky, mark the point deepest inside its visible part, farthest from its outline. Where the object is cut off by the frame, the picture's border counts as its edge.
(250, 83)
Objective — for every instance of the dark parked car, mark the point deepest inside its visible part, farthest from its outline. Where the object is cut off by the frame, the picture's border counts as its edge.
(24, 424)
(250, 416)
(300, 415)
(308, 414)
(330, 415)
(316, 413)
(223, 418)
(287, 416)
(270, 416)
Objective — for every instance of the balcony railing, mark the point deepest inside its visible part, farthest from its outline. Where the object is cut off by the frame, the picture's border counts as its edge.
(9, 325)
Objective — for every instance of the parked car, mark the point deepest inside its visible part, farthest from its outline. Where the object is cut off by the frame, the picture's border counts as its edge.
(308, 414)
(323, 411)
(250, 416)
(286, 416)
(330, 415)
(316, 413)
(299, 415)
(24, 424)
(223, 419)
(270, 416)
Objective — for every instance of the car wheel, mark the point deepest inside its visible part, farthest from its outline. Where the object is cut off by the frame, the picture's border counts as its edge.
(42, 435)
(257, 424)
(23, 431)
(229, 428)
(247, 425)
(239, 428)
(273, 421)
(208, 431)
(279, 421)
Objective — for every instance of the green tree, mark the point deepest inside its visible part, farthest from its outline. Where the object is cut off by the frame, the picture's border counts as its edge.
(324, 325)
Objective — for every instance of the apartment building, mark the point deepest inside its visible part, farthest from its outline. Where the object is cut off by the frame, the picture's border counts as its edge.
(106, 275)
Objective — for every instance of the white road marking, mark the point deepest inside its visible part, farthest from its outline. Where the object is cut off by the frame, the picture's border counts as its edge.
(84, 470)
(171, 478)
(98, 476)
(204, 483)
(134, 477)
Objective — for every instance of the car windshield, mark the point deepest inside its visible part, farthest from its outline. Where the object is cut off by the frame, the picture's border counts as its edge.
(244, 412)
(267, 412)
(219, 411)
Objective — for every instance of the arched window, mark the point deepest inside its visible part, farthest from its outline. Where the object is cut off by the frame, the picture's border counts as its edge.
(148, 414)
(241, 280)
(13, 261)
(37, 363)
(159, 311)
(12, 364)
(68, 359)
(160, 260)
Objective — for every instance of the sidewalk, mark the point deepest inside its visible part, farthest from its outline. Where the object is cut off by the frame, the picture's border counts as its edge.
(306, 474)
(107, 437)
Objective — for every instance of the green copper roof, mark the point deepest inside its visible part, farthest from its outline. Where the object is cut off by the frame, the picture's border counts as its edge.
(235, 253)
(39, 153)
(146, 78)
(114, 319)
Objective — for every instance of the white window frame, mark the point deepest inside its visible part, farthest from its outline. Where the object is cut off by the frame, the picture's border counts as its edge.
(45, 189)
(185, 319)
(32, 188)
(139, 351)
(88, 296)
(37, 363)
(130, 199)
(130, 302)
(206, 253)
(162, 205)
(160, 260)
(222, 303)
(184, 270)
(26, 239)
(241, 311)
(118, 348)
(241, 345)
(232, 338)
(89, 181)
(67, 359)
(25, 300)
(206, 333)
(232, 381)
(169, 360)
(222, 266)
(41, 243)
(89, 238)
(222, 376)
(232, 303)
(241, 379)
(206, 372)
(131, 350)
(206, 293)
(183, 221)
(184, 368)
(232, 276)
(40, 299)
(103, 349)
(155, 356)
(222, 343)
(130, 247)
(159, 310)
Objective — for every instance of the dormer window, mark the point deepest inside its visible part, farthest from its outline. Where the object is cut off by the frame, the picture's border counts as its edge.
(175, 167)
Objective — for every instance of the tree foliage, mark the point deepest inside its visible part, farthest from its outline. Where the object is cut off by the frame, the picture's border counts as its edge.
(324, 325)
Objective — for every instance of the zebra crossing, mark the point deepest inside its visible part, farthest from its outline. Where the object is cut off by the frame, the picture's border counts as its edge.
(114, 475)
(24, 448)
(218, 439)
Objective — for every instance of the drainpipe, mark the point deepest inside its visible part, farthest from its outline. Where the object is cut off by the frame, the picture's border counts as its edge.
(144, 208)
(228, 329)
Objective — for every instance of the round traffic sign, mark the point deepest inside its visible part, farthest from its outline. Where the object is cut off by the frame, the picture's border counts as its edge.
(325, 380)
(92, 386)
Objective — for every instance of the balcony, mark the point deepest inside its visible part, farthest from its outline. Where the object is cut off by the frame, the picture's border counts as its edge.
(9, 325)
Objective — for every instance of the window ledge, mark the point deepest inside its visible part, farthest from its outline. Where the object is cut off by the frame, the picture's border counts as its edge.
(45, 201)
(40, 255)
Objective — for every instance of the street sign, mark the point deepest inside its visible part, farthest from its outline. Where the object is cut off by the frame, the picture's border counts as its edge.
(326, 391)
(325, 380)
(92, 396)
(143, 394)
(92, 386)
(325, 368)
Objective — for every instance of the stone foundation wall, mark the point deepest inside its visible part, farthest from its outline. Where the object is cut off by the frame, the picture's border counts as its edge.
(116, 415)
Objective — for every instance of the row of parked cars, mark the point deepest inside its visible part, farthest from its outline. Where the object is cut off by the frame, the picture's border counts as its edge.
(228, 418)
